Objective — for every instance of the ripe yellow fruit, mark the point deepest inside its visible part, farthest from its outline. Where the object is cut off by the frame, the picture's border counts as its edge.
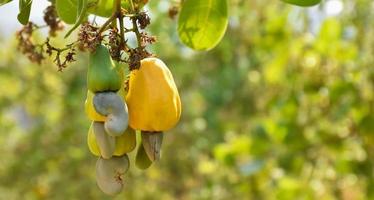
(90, 109)
(91, 141)
(124, 143)
(153, 99)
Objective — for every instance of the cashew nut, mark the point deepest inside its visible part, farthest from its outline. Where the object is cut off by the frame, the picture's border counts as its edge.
(110, 172)
(106, 143)
(152, 142)
(112, 106)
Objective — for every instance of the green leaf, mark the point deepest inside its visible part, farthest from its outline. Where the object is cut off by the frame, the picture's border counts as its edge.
(65, 10)
(202, 24)
(81, 13)
(24, 11)
(2, 2)
(304, 3)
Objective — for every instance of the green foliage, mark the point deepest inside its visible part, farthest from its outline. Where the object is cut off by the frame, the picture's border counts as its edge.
(202, 24)
(24, 11)
(2, 2)
(278, 110)
(66, 10)
(303, 2)
(81, 14)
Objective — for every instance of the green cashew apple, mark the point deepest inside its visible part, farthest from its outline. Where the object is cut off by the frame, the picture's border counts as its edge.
(304, 3)
(110, 173)
(103, 74)
(142, 160)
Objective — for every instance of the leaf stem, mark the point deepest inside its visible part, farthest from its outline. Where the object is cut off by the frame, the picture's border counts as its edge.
(106, 24)
(121, 25)
(136, 30)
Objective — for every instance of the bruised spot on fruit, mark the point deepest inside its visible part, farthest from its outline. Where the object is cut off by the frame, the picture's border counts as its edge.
(111, 105)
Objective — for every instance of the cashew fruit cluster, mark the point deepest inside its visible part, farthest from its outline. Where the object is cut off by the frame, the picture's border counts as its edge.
(150, 106)
(109, 136)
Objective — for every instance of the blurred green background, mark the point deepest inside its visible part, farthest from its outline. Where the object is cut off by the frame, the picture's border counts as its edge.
(283, 108)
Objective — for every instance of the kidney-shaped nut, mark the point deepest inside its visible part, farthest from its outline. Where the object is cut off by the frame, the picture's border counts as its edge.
(152, 142)
(112, 106)
(110, 173)
(106, 143)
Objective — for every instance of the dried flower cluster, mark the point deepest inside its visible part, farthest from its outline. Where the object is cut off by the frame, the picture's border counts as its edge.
(173, 12)
(143, 20)
(89, 36)
(135, 56)
(52, 21)
(61, 60)
(25, 44)
(115, 44)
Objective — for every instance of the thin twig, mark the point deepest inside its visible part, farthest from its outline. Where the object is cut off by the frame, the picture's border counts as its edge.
(136, 30)
(106, 24)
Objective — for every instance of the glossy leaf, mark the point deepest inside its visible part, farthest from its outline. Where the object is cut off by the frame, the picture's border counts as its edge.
(24, 11)
(304, 3)
(65, 10)
(202, 24)
(2, 2)
(81, 13)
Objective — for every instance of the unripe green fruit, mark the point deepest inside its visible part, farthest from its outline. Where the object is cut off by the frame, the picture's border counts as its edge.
(110, 173)
(103, 74)
(304, 3)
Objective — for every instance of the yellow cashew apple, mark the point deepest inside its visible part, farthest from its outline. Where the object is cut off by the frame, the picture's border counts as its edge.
(124, 143)
(153, 99)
